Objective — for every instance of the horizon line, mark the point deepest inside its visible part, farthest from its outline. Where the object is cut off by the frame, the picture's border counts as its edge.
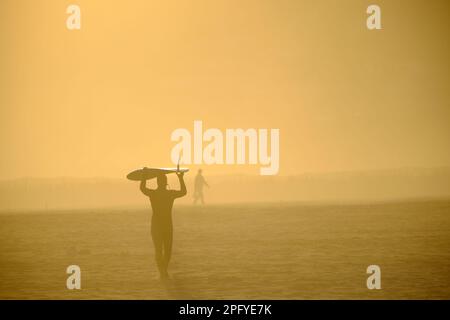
(316, 173)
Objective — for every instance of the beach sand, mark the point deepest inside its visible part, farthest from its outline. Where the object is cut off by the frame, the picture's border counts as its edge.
(247, 251)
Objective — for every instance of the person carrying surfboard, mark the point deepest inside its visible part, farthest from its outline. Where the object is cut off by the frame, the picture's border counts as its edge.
(162, 200)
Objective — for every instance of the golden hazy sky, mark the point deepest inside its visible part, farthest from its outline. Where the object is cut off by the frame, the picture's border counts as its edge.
(103, 100)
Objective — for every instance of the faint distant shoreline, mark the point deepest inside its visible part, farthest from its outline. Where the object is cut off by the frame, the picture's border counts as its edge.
(209, 209)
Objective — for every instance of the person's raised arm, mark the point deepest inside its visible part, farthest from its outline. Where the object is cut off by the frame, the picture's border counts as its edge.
(144, 188)
(182, 192)
(143, 185)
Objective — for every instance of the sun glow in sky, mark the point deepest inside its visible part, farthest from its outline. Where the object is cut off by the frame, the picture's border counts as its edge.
(105, 99)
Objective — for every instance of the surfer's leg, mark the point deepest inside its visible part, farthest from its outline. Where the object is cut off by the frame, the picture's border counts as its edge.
(158, 244)
(168, 239)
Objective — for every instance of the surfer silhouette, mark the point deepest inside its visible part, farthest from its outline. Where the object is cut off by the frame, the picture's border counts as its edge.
(162, 200)
(198, 187)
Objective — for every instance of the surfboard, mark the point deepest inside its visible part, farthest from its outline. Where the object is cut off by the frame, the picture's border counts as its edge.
(150, 173)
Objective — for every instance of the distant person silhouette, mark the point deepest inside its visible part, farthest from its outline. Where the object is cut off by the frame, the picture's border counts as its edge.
(198, 187)
(162, 200)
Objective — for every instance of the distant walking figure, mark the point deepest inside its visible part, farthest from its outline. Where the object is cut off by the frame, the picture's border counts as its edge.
(198, 187)
(162, 202)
